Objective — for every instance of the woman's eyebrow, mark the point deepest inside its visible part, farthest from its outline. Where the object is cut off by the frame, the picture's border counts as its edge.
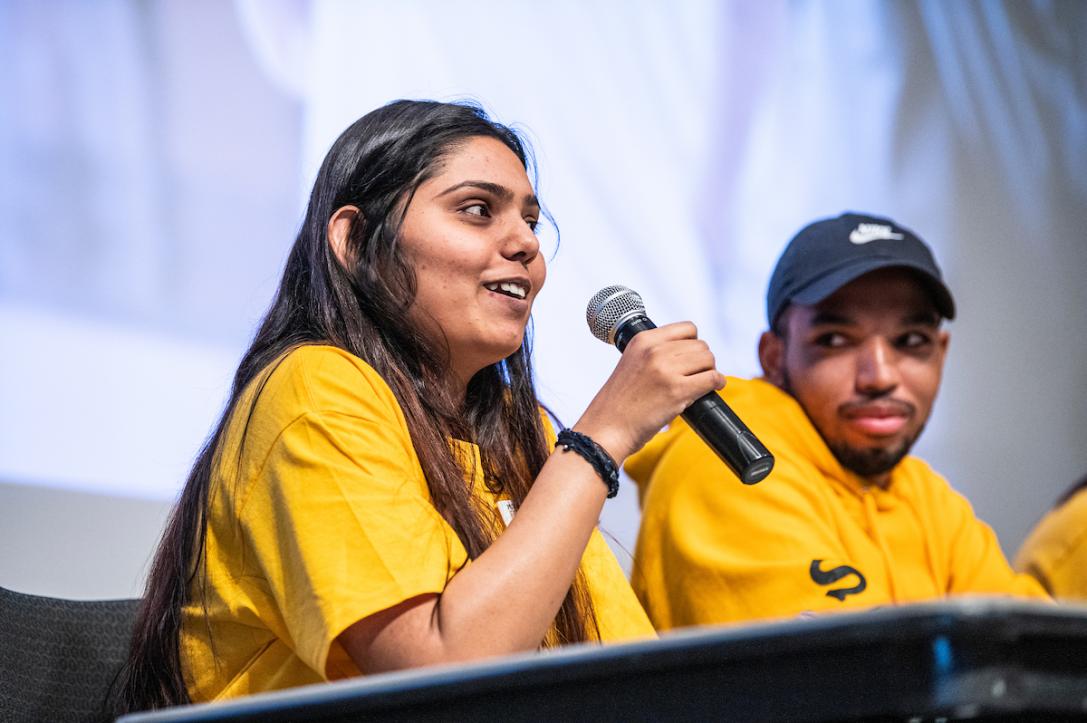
(494, 189)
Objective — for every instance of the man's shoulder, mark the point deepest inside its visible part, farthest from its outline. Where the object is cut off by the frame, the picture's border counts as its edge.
(771, 414)
(753, 400)
(678, 462)
(766, 408)
(755, 391)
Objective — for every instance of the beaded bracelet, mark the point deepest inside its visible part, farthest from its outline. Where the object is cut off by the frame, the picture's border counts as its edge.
(594, 454)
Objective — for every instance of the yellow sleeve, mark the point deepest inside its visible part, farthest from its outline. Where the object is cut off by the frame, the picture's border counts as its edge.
(712, 550)
(619, 615)
(1055, 552)
(548, 428)
(338, 521)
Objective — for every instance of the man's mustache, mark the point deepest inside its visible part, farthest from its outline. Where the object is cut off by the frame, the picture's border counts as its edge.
(885, 406)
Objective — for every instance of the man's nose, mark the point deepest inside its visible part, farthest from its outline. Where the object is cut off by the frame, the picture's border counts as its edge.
(877, 366)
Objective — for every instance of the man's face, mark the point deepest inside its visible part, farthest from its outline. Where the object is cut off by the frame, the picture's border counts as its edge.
(865, 364)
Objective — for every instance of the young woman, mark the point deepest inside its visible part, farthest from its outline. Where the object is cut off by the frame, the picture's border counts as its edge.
(381, 491)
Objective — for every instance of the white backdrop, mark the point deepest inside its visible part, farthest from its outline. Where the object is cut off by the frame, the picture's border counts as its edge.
(154, 159)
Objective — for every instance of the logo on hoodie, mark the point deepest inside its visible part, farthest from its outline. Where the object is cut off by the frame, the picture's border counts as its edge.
(833, 575)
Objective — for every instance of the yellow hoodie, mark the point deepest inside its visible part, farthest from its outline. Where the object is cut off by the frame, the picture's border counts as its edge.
(811, 537)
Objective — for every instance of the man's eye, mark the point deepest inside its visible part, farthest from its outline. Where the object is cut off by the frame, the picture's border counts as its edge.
(830, 340)
(532, 223)
(913, 340)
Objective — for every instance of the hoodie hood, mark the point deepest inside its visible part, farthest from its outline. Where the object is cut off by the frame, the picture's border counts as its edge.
(641, 465)
(772, 414)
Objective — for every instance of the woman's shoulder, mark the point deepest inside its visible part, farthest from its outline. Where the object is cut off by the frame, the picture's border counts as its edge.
(318, 378)
(313, 359)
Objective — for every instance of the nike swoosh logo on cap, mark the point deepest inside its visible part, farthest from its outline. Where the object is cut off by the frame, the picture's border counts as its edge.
(868, 232)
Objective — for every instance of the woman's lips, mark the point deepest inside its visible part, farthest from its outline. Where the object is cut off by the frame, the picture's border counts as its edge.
(510, 303)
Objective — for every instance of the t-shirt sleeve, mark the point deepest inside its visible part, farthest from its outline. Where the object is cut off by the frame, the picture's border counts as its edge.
(619, 615)
(338, 520)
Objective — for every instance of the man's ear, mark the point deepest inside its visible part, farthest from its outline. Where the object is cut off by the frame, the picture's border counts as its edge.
(943, 339)
(772, 357)
(339, 234)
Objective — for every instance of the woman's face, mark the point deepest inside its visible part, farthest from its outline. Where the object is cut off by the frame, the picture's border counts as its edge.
(468, 234)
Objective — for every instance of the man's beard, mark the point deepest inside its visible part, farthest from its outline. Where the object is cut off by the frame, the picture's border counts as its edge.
(872, 461)
(867, 462)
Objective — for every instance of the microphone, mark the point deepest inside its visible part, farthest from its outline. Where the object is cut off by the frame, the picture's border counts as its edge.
(615, 314)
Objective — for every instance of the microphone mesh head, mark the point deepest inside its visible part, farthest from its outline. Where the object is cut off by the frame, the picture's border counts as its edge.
(609, 307)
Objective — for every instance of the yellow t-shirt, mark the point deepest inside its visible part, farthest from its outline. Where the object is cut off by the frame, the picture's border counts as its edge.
(811, 537)
(322, 518)
(1055, 552)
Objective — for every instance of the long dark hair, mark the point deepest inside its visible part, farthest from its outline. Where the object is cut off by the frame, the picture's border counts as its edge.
(375, 165)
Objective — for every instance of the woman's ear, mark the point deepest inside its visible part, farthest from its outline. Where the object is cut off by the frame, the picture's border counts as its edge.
(339, 234)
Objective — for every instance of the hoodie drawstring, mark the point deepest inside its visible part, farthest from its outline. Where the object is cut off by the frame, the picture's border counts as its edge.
(871, 519)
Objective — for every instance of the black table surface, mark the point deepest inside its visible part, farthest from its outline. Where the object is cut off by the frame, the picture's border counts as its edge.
(970, 659)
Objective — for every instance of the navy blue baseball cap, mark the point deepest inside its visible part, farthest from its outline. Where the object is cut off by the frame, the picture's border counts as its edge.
(826, 255)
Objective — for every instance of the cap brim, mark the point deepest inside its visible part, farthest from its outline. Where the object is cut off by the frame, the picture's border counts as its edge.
(826, 285)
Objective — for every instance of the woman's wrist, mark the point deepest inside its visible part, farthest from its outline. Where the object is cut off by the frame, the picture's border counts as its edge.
(595, 455)
(610, 439)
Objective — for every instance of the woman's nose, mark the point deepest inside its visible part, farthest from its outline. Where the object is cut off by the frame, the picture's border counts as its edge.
(520, 243)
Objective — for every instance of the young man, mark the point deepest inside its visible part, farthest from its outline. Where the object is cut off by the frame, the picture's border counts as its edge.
(847, 519)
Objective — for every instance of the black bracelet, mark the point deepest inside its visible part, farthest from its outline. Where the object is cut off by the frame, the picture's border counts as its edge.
(594, 454)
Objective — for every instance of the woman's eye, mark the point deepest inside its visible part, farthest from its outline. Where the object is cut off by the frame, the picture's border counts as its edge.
(532, 223)
(477, 209)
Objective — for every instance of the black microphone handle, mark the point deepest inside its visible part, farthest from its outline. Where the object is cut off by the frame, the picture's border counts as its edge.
(714, 421)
